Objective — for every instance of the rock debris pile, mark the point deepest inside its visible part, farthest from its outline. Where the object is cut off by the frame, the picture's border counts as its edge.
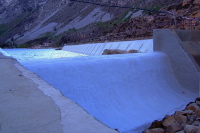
(186, 121)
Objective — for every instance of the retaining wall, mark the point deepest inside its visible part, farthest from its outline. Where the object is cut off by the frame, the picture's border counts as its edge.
(183, 64)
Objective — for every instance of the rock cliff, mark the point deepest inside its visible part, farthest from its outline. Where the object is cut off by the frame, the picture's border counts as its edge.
(62, 21)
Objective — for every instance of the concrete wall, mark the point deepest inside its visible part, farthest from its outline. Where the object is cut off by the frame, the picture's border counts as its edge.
(98, 48)
(188, 35)
(185, 70)
(190, 41)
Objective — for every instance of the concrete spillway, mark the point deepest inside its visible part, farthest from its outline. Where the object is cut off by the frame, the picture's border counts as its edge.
(126, 92)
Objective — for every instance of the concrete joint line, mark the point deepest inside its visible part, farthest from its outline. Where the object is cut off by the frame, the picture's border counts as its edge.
(140, 47)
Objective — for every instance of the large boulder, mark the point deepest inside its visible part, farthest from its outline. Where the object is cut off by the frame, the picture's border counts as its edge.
(168, 121)
(191, 129)
(117, 51)
(113, 51)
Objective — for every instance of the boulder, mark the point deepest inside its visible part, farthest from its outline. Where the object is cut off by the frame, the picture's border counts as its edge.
(133, 51)
(118, 51)
(192, 106)
(190, 129)
(197, 112)
(174, 127)
(180, 118)
(155, 130)
(156, 124)
(113, 51)
(180, 131)
(196, 123)
(191, 119)
(168, 121)
(183, 125)
(184, 112)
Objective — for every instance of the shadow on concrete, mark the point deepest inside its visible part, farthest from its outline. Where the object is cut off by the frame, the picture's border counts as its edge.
(182, 48)
(190, 41)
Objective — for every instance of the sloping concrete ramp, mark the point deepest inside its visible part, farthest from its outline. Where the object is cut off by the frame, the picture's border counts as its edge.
(126, 92)
(98, 48)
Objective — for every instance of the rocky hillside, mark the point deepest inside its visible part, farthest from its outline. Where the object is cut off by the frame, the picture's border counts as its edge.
(186, 16)
(29, 22)
(141, 24)
(186, 121)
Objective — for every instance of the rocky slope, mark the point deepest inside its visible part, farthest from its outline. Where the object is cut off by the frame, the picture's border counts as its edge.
(142, 26)
(139, 27)
(64, 21)
(186, 121)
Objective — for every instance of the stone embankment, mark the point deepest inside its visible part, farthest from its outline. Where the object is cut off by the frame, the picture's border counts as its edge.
(186, 121)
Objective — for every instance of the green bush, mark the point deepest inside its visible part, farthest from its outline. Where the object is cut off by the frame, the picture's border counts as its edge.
(23, 46)
(73, 30)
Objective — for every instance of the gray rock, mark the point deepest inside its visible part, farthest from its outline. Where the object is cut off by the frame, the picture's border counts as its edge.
(191, 119)
(191, 129)
(196, 123)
